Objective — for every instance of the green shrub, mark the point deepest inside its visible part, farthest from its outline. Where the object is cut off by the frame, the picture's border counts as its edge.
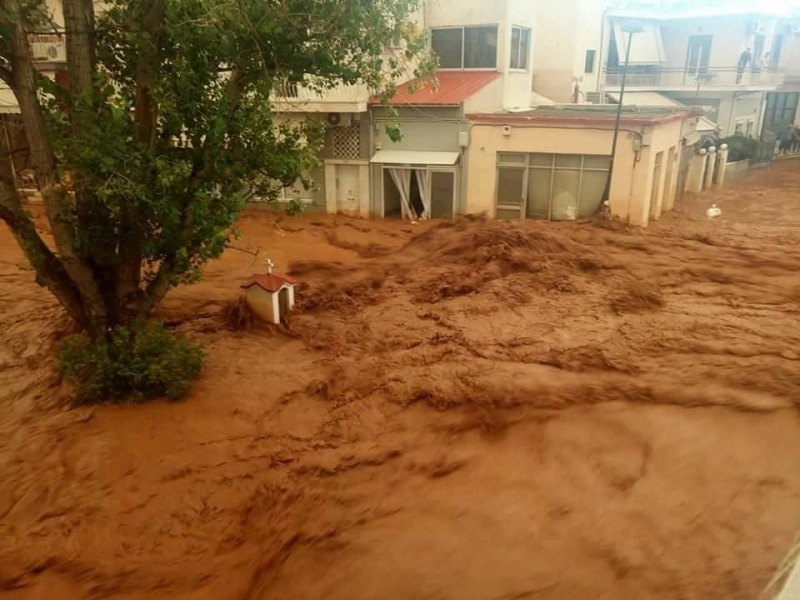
(740, 147)
(295, 207)
(134, 364)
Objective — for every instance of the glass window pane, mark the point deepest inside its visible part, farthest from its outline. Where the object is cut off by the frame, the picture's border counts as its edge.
(442, 194)
(539, 193)
(446, 43)
(509, 186)
(594, 184)
(515, 32)
(524, 48)
(588, 67)
(596, 162)
(542, 160)
(565, 195)
(572, 161)
(516, 159)
(480, 48)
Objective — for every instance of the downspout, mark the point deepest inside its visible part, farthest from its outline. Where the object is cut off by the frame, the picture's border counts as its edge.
(602, 66)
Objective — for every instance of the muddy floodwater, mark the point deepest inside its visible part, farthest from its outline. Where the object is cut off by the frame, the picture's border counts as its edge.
(465, 410)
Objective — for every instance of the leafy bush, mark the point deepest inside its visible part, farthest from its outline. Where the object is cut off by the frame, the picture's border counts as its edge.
(740, 147)
(295, 207)
(133, 364)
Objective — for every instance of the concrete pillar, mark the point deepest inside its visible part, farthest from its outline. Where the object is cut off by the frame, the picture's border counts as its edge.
(330, 188)
(723, 165)
(711, 167)
(363, 190)
(697, 172)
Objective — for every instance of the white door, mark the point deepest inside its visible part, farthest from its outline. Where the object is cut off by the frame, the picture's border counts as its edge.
(347, 189)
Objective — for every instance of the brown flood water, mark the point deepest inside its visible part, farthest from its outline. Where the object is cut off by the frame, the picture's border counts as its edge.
(466, 410)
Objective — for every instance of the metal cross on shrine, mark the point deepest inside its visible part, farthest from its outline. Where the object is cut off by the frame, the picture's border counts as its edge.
(269, 264)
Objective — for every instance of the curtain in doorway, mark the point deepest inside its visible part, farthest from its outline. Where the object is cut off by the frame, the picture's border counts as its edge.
(402, 179)
(424, 184)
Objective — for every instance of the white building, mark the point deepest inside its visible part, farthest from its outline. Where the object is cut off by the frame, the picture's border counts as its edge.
(687, 51)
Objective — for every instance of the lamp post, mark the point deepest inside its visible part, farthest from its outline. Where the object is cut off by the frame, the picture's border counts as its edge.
(631, 28)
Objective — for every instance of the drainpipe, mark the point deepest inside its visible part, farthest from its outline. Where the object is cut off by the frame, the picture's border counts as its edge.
(601, 66)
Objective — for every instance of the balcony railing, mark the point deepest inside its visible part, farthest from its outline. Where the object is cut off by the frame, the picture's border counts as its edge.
(651, 76)
(341, 97)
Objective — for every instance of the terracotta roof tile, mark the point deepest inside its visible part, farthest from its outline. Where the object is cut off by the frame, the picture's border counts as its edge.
(269, 282)
(454, 88)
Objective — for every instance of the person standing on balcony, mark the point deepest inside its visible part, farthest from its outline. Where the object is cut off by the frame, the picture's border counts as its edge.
(745, 59)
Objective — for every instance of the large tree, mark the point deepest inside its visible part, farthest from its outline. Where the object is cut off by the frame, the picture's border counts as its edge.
(143, 157)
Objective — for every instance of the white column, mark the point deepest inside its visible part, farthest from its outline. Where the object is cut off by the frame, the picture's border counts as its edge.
(711, 167)
(723, 165)
(331, 189)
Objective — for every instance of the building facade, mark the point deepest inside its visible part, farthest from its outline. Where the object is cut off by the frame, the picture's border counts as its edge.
(736, 59)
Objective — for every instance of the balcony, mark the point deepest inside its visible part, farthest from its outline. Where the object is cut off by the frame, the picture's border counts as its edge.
(654, 78)
(295, 97)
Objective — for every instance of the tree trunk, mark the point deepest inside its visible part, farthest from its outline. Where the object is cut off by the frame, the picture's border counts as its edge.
(75, 273)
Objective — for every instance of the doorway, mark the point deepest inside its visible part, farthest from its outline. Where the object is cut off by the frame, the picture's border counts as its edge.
(419, 191)
(698, 55)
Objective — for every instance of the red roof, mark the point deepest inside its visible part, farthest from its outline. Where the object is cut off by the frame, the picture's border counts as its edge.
(454, 88)
(269, 282)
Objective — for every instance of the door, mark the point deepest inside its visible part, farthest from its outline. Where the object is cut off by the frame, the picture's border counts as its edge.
(443, 194)
(698, 55)
(347, 189)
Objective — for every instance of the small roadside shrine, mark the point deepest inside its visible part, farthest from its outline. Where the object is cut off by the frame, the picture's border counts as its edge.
(270, 295)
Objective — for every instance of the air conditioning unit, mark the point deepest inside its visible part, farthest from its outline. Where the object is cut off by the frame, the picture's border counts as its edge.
(48, 51)
(340, 119)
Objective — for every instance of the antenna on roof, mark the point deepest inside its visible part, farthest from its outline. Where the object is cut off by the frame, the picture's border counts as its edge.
(269, 264)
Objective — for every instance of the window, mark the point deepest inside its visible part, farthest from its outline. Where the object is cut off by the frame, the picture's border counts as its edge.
(559, 187)
(448, 44)
(466, 47)
(520, 47)
(777, 48)
(750, 127)
(739, 130)
(781, 110)
(589, 65)
(698, 54)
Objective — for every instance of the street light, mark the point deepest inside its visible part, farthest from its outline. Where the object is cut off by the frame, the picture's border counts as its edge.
(631, 28)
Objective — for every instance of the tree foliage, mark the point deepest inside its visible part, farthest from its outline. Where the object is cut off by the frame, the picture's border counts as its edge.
(145, 158)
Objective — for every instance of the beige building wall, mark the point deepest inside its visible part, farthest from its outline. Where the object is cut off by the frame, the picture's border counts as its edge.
(513, 91)
(731, 35)
(632, 181)
(555, 43)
